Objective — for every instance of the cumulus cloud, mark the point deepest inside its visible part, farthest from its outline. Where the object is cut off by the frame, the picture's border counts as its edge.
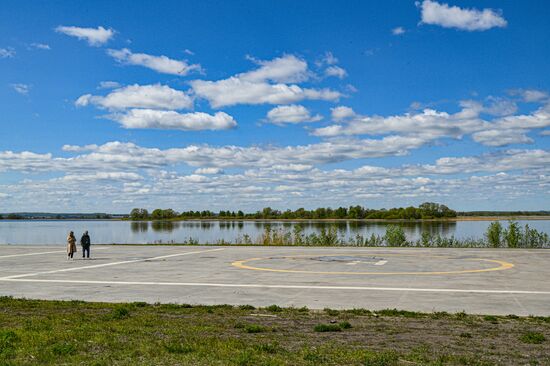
(398, 31)
(501, 137)
(208, 171)
(94, 36)
(336, 71)
(464, 19)
(150, 118)
(100, 176)
(265, 85)
(428, 124)
(506, 175)
(341, 113)
(291, 114)
(285, 69)
(161, 64)
(20, 88)
(7, 52)
(154, 96)
(530, 95)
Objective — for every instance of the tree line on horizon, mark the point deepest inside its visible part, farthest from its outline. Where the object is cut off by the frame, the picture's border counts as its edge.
(427, 210)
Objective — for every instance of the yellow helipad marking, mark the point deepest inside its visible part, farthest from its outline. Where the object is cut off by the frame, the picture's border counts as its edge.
(502, 265)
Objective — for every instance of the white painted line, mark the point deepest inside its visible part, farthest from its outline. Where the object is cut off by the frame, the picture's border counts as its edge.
(110, 264)
(352, 263)
(301, 287)
(380, 263)
(41, 253)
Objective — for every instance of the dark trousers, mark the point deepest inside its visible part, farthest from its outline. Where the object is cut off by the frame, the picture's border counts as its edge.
(86, 252)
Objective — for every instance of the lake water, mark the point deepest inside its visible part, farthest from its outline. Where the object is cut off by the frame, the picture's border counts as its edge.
(125, 232)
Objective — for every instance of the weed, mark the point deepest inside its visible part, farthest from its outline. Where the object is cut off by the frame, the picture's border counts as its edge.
(533, 337)
(254, 328)
(274, 308)
(327, 328)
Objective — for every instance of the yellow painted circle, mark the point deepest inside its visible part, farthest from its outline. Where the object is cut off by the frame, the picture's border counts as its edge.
(502, 265)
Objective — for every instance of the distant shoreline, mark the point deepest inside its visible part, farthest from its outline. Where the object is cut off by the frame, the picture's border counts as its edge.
(451, 219)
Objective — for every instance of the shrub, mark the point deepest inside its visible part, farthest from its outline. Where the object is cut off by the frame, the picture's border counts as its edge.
(493, 234)
(120, 312)
(395, 236)
(274, 308)
(512, 235)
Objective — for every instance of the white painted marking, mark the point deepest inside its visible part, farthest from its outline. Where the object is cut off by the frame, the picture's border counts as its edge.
(307, 287)
(110, 264)
(380, 263)
(352, 263)
(40, 253)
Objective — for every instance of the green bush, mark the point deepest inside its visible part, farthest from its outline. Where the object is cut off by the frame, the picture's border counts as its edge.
(395, 236)
(493, 234)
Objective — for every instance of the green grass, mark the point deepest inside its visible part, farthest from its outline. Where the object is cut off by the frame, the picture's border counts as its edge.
(533, 337)
(78, 333)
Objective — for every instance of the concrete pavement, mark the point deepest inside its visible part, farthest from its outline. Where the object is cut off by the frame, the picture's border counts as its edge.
(485, 281)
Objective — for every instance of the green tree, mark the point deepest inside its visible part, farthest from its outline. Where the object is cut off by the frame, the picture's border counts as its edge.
(493, 234)
(395, 236)
(512, 235)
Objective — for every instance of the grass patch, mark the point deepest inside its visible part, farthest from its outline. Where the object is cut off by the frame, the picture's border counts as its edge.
(327, 328)
(533, 338)
(80, 333)
(179, 348)
(254, 328)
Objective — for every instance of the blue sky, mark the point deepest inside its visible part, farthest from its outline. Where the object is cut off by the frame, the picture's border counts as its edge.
(242, 105)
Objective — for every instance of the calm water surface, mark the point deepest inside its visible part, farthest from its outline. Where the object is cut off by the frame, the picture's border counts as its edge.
(125, 232)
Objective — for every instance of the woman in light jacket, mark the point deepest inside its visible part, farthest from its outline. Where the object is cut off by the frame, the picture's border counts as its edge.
(71, 245)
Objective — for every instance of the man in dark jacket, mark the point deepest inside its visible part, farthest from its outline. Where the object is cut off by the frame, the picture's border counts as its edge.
(85, 242)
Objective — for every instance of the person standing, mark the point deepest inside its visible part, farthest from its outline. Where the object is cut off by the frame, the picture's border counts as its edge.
(85, 242)
(71, 245)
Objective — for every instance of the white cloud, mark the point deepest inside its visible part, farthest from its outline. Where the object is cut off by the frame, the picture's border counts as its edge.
(209, 171)
(545, 133)
(161, 64)
(154, 96)
(497, 137)
(94, 36)
(398, 31)
(530, 95)
(109, 85)
(41, 46)
(20, 88)
(150, 118)
(100, 176)
(7, 52)
(285, 69)
(265, 85)
(428, 124)
(456, 17)
(341, 113)
(336, 71)
(234, 91)
(76, 148)
(329, 59)
(291, 114)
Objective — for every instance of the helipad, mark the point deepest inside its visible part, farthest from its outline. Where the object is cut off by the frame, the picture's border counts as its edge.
(489, 281)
